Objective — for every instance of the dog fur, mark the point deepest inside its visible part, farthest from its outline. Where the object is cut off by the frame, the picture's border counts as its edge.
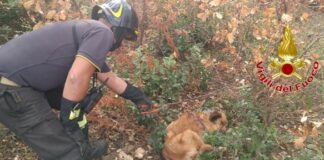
(184, 135)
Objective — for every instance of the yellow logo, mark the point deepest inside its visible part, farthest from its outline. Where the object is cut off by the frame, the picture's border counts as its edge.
(119, 11)
(286, 67)
(287, 51)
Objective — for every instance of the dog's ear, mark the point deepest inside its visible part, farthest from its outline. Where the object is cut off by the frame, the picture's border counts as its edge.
(214, 116)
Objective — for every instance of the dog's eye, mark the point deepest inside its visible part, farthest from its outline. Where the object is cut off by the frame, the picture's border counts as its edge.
(215, 116)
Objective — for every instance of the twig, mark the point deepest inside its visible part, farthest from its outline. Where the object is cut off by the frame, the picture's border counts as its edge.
(144, 18)
(198, 97)
(317, 38)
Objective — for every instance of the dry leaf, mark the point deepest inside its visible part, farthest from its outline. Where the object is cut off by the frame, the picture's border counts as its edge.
(230, 37)
(244, 12)
(257, 55)
(269, 12)
(203, 15)
(264, 33)
(123, 155)
(256, 34)
(61, 2)
(27, 5)
(286, 18)
(62, 16)
(317, 124)
(230, 49)
(303, 119)
(206, 62)
(215, 3)
(299, 142)
(38, 25)
(252, 11)
(181, 32)
(223, 65)
(307, 129)
(170, 43)
(316, 56)
(176, 54)
(314, 132)
(38, 8)
(220, 36)
(53, 5)
(202, 6)
(321, 62)
(304, 16)
(139, 153)
(50, 14)
(67, 5)
(218, 15)
(308, 61)
(57, 17)
(233, 23)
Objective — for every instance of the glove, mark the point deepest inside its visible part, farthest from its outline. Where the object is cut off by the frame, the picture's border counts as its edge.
(142, 102)
(74, 122)
(73, 119)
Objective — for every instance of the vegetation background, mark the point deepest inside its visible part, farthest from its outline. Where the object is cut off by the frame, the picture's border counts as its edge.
(194, 55)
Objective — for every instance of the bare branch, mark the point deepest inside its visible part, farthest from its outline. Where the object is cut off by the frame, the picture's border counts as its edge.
(316, 39)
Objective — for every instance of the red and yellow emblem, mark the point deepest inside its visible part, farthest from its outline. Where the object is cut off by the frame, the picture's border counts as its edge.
(287, 51)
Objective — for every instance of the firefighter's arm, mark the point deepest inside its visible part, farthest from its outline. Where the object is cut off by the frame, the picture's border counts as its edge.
(75, 89)
(114, 83)
(77, 81)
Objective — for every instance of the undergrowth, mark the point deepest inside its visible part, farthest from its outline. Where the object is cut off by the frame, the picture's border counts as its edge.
(249, 139)
(165, 80)
(14, 20)
(253, 128)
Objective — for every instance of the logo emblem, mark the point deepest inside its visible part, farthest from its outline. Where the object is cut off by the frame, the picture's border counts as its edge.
(287, 51)
(286, 67)
(118, 12)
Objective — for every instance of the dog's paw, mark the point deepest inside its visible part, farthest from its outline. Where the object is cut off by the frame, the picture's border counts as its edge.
(205, 148)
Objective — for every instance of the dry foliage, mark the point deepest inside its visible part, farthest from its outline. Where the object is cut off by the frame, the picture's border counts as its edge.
(43, 13)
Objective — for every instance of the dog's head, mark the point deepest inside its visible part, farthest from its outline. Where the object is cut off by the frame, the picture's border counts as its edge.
(215, 121)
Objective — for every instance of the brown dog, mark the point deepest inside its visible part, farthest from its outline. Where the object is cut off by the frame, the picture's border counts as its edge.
(184, 136)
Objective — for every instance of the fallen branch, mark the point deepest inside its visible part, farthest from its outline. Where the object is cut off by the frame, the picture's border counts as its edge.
(144, 22)
(209, 94)
(316, 39)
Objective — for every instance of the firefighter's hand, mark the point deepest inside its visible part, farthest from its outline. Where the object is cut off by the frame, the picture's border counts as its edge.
(147, 108)
(67, 115)
(143, 103)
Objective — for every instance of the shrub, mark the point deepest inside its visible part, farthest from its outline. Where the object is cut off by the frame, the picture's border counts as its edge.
(163, 79)
(13, 20)
(251, 139)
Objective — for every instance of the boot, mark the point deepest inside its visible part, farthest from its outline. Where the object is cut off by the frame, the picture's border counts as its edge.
(88, 152)
(97, 150)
